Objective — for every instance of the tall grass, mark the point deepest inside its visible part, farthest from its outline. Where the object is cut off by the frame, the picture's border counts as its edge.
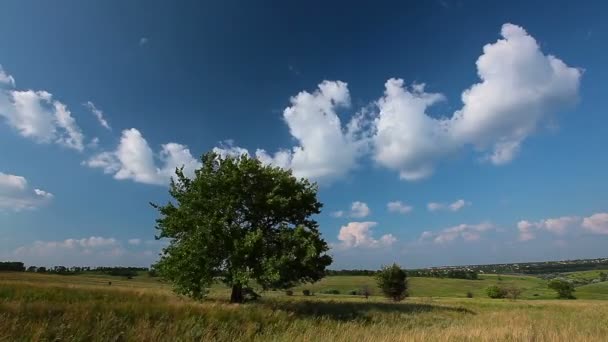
(76, 312)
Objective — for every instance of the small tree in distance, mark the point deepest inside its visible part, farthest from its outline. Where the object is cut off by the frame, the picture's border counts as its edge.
(563, 288)
(392, 281)
(240, 221)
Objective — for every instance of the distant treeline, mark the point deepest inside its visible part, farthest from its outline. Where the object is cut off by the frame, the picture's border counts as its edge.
(435, 273)
(543, 267)
(15, 266)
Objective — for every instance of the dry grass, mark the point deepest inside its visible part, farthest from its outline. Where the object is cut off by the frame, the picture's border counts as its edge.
(59, 310)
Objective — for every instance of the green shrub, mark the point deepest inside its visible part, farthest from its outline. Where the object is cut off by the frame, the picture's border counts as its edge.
(353, 292)
(469, 294)
(289, 292)
(496, 291)
(392, 281)
(306, 292)
(563, 288)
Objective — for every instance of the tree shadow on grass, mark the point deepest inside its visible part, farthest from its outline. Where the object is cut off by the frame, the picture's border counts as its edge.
(349, 311)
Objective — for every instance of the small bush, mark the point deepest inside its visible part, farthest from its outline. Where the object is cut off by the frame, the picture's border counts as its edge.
(306, 292)
(469, 294)
(331, 291)
(496, 292)
(392, 280)
(353, 292)
(512, 292)
(365, 291)
(289, 292)
(563, 288)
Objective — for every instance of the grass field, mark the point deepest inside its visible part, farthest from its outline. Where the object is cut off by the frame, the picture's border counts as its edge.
(37, 307)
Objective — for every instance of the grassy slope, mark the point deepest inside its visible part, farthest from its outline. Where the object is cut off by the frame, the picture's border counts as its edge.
(438, 287)
(77, 308)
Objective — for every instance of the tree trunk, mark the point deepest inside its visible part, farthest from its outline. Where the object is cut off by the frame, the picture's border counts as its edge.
(237, 294)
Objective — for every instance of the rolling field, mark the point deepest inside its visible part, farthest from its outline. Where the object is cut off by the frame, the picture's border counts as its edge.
(37, 307)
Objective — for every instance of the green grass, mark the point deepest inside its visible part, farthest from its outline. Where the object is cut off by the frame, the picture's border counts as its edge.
(584, 275)
(84, 308)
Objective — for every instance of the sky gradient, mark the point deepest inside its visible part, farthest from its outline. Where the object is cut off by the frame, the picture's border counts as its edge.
(440, 133)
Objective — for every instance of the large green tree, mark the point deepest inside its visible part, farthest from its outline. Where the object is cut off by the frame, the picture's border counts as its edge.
(240, 221)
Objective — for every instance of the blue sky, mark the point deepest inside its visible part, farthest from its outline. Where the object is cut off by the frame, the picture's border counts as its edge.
(445, 132)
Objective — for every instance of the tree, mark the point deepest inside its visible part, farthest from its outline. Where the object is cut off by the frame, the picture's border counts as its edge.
(603, 276)
(238, 221)
(512, 292)
(563, 288)
(392, 281)
(495, 292)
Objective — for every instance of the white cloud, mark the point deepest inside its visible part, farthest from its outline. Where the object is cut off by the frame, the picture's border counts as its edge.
(467, 232)
(134, 242)
(326, 150)
(558, 226)
(35, 115)
(17, 195)
(134, 159)
(90, 251)
(399, 207)
(596, 223)
(454, 206)
(98, 114)
(359, 234)
(358, 209)
(228, 149)
(520, 87)
(143, 41)
(6, 79)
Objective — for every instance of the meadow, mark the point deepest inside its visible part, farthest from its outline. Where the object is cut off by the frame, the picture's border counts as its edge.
(36, 307)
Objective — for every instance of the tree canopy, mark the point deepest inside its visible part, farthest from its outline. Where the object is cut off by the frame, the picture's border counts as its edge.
(240, 221)
(392, 281)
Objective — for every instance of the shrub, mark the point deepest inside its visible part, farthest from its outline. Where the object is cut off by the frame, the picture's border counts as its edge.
(331, 291)
(469, 294)
(512, 292)
(289, 292)
(496, 291)
(306, 292)
(392, 281)
(353, 292)
(563, 288)
(365, 291)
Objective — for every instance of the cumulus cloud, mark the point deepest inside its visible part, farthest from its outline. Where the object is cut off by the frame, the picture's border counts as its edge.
(357, 210)
(359, 234)
(558, 226)
(98, 115)
(454, 206)
(94, 250)
(326, 149)
(596, 223)
(467, 232)
(519, 88)
(17, 195)
(134, 159)
(37, 116)
(228, 149)
(399, 207)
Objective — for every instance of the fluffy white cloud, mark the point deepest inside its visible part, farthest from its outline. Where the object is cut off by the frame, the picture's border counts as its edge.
(519, 88)
(558, 226)
(596, 223)
(134, 159)
(399, 207)
(17, 195)
(454, 206)
(6, 79)
(359, 234)
(94, 250)
(357, 210)
(326, 150)
(98, 114)
(36, 115)
(228, 149)
(467, 232)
